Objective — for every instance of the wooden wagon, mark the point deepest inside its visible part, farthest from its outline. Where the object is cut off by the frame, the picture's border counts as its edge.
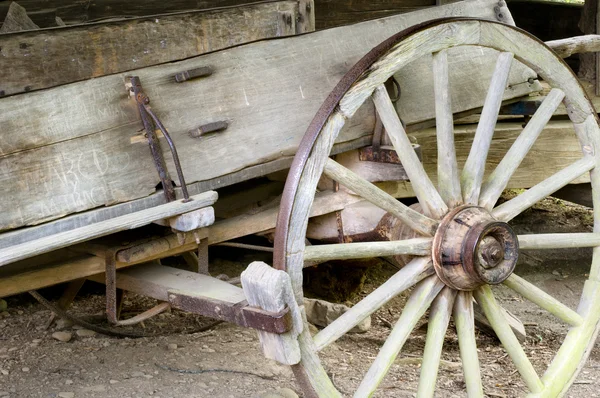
(81, 190)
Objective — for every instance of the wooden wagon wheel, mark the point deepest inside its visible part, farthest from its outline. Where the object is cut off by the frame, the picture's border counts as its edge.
(465, 243)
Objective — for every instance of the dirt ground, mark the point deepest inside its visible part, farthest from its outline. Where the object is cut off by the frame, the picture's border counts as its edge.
(225, 360)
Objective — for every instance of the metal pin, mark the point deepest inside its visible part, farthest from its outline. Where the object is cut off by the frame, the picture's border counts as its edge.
(208, 128)
(193, 74)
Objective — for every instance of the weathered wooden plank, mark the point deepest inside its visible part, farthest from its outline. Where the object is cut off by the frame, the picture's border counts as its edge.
(332, 13)
(43, 12)
(329, 13)
(117, 224)
(253, 85)
(51, 57)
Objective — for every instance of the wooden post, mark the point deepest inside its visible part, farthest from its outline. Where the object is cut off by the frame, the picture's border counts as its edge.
(271, 290)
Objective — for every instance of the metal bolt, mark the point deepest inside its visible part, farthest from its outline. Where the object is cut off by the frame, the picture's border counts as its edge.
(491, 252)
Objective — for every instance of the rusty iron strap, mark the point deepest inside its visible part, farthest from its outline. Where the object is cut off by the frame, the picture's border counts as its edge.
(184, 190)
(111, 295)
(239, 313)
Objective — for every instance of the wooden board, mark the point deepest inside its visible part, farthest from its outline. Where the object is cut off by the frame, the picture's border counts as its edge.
(51, 57)
(332, 13)
(329, 13)
(268, 91)
(43, 12)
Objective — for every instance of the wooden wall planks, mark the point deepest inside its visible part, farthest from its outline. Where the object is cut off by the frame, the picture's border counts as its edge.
(46, 58)
(268, 91)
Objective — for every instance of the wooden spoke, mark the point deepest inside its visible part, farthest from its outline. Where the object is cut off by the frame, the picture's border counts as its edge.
(543, 299)
(559, 241)
(493, 312)
(447, 168)
(430, 199)
(342, 251)
(465, 328)
(370, 192)
(420, 299)
(408, 276)
(497, 181)
(439, 316)
(509, 210)
(472, 173)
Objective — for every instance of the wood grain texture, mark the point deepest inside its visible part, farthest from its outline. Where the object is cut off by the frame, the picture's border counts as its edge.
(289, 76)
(498, 179)
(155, 280)
(439, 317)
(430, 200)
(465, 329)
(485, 298)
(332, 13)
(44, 12)
(416, 305)
(543, 300)
(575, 45)
(342, 251)
(474, 169)
(509, 210)
(51, 57)
(380, 198)
(448, 175)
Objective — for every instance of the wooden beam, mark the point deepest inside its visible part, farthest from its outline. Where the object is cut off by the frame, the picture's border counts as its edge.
(51, 57)
(78, 154)
(123, 223)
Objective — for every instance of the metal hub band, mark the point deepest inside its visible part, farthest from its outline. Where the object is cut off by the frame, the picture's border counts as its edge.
(471, 249)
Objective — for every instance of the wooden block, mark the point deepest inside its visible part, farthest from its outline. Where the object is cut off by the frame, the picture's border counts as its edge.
(271, 290)
(193, 220)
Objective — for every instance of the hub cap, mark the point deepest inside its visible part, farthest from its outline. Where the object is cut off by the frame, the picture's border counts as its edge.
(471, 248)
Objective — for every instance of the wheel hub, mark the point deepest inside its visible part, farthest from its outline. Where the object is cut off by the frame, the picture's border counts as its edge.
(471, 248)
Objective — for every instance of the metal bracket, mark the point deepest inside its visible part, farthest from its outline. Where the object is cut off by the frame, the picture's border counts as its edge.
(240, 313)
(376, 152)
(151, 121)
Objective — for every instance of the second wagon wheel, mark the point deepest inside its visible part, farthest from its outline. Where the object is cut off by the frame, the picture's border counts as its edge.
(465, 243)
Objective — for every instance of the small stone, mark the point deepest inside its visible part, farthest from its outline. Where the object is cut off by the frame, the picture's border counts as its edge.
(68, 382)
(106, 344)
(62, 324)
(36, 341)
(62, 336)
(113, 381)
(25, 369)
(3, 305)
(4, 394)
(137, 374)
(322, 313)
(66, 394)
(85, 333)
(4, 372)
(172, 347)
(280, 393)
